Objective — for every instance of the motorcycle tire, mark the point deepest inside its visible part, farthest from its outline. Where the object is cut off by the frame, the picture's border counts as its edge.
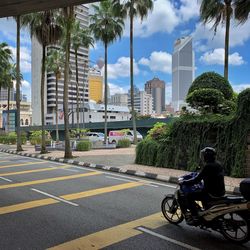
(236, 227)
(171, 210)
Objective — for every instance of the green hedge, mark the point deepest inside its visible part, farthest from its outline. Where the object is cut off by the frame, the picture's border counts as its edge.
(83, 146)
(11, 138)
(124, 143)
(190, 133)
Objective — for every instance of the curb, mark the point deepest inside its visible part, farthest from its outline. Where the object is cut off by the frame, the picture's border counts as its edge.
(152, 176)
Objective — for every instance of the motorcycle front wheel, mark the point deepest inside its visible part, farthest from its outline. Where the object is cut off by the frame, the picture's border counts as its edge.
(236, 227)
(171, 210)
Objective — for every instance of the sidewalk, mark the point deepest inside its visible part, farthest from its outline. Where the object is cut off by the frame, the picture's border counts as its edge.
(116, 160)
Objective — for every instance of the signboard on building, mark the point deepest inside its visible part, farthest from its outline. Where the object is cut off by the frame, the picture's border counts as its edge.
(12, 120)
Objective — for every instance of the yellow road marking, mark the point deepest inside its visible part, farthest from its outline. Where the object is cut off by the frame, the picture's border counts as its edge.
(35, 170)
(44, 202)
(113, 235)
(5, 161)
(23, 164)
(61, 178)
(101, 191)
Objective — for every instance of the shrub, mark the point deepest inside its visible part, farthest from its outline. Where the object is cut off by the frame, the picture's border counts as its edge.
(159, 131)
(212, 80)
(205, 99)
(83, 146)
(124, 143)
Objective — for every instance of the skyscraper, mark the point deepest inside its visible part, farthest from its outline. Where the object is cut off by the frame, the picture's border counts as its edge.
(156, 88)
(82, 16)
(183, 69)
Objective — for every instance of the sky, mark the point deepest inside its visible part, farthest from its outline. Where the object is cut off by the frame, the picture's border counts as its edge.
(153, 47)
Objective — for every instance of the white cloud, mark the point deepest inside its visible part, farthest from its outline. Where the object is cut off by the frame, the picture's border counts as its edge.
(25, 58)
(158, 61)
(115, 89)
(217, 57)
(121, 68)
(189, 9)
(163, 18)
(25, 88)
(240, 87)
(168, 93)
(205, 38)
(8, 29)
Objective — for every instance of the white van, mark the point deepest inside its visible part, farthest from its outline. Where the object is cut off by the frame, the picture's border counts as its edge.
(116, 135)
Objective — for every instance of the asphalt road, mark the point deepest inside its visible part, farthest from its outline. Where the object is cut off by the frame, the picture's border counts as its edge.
(57, 206)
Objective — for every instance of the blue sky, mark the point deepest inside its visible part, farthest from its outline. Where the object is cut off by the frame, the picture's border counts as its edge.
(153, 46)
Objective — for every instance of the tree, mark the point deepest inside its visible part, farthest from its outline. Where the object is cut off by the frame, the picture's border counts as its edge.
(79, 37)
(205, 100)
(214, 81)
(67, 21)
(44, 27)
(55, 63)
(218, 11)
(106, 27)
(132, 9)
(242, 10)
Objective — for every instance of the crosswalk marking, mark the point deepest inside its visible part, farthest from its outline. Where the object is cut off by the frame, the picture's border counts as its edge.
(23, 164)
(34, 170)
(62, 178)
(44, 202)
(113, 235)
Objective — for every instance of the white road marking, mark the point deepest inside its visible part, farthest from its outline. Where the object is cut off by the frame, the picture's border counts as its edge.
(5, 179)
(120, 179)
(55, 197)
(168, 239)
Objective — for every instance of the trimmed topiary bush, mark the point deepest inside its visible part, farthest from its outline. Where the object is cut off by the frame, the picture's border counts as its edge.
(83, 146)
(208, 99)
(212, 80)
(124, 143)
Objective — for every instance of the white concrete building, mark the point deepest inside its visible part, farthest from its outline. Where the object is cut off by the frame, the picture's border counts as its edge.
(143, 103)
(183, 71)
(50, 84)
(119, 100)
(95, 113)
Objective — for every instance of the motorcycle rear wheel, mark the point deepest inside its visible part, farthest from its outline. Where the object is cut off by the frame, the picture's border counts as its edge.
(171, 210)
(236, 227)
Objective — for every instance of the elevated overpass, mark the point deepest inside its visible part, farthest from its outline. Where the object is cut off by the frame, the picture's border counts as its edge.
(142, 126)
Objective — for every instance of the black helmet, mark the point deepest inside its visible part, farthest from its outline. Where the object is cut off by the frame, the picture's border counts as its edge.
(208, 154)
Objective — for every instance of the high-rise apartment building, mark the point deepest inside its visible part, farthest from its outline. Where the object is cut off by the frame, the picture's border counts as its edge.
(82, 16)
(156, 88)
(4, 95)
(183, 69)
(143, 102)
(95, 85)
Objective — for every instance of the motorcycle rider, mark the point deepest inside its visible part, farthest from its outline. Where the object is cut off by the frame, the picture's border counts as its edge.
(212, 175)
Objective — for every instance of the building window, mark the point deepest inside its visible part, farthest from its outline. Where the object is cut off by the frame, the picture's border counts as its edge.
(21, 121)
(26, 122)
(89, 116)
(112, 117)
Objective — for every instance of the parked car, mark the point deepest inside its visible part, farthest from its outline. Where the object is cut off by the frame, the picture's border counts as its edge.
(116, 135)
(95, 136)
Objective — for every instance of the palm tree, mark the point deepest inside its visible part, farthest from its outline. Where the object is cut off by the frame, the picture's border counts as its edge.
(132, 9)
(44, 27)
(242, 10)
(68, 14)
(218, 11)
(106, 27)
(55, 63)
(18, 84)
(79, 37)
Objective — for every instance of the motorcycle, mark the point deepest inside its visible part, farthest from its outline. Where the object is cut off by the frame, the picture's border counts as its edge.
(228, 215)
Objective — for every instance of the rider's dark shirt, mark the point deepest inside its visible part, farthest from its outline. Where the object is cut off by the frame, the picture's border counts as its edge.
(213, 176)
